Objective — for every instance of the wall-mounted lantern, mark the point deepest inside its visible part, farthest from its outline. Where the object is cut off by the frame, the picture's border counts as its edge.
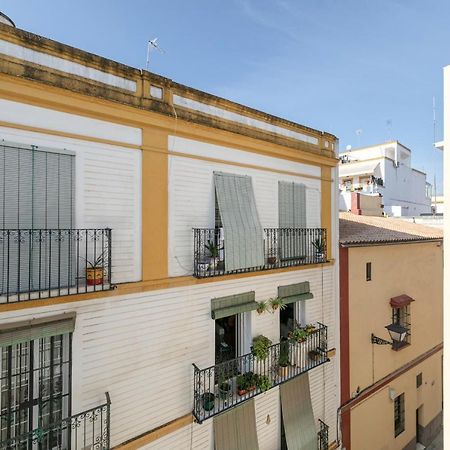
(397, 332)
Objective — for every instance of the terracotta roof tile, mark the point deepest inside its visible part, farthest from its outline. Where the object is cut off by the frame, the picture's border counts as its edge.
(354, 230)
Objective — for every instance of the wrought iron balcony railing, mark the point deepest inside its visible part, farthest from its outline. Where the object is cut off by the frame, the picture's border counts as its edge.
(322, 436)
(228, 384)
(37, 264)
(283, 247)
(89, 429)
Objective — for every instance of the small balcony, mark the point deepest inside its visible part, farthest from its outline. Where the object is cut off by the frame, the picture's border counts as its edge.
(228, 384)
(283, 247)
(43, 263)
(322, 436)
(89, 429)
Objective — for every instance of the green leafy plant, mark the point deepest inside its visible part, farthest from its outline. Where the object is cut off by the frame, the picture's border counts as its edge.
(319, 245)
(98, 262)
(213, 249)
(246, 382)
(262, 307)
(283, 359)
(277, 302)
(260, 347)
(263, 383)
(298, 334)
(310, 328)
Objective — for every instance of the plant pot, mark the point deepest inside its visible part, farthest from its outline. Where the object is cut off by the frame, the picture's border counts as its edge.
(208, 401)
(94, 276)
(283, 371)
(241, 391)
(314, 355)
(271, 260)
(224, 390)
(319, 256)
(220, 265)
(251, 388)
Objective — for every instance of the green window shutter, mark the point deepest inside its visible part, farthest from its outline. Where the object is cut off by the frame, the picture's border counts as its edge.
(299, 205)
(17, 333)
(243, 233)
(298, 417)
(236, 428)
(295, 292)
(233, 304)
(291, 205)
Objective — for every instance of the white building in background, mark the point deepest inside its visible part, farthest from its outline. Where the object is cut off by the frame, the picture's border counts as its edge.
(384, 169)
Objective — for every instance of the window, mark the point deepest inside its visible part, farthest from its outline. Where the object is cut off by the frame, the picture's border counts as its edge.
(401, 316)
(399, 414)
(368, 271)
(156, 92)
(419, 380)
(35, 389)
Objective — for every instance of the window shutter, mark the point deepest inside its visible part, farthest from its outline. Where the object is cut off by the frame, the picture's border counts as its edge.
(233, 304)
(243, 234)
(295, 292)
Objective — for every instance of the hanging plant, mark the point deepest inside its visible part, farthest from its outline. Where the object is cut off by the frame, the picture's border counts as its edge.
(262, 307)
(277, 302)
(260, 347)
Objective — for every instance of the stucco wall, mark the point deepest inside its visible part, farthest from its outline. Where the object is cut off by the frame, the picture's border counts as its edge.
(412, 269)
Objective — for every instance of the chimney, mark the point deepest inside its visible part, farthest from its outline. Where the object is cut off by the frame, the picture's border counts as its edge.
(367, 205)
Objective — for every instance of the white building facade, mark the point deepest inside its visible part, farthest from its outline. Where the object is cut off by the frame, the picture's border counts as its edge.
(385, 169)
(150, 233)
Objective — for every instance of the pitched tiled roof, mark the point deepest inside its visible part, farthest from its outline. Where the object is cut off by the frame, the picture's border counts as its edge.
(358, 230)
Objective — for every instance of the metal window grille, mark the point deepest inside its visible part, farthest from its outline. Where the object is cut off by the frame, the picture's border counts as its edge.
(399, 414)
(401, 316)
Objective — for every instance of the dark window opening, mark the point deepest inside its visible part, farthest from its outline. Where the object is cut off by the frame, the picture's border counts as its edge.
(226, 339)
(399, 414)
(419, 380)
(287, 320)
(368, 271)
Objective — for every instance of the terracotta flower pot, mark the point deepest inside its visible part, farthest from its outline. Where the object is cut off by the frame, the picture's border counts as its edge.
(94, 276)
(283, 371)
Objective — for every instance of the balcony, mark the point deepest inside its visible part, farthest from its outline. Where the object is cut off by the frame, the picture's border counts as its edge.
(322, 436)
(89, 429)
(228, 384)
(283, 247)
(43, 263)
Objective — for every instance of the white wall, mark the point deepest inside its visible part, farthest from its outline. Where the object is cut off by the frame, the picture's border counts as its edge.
(141, 348)
(191, 194)
(108, 184)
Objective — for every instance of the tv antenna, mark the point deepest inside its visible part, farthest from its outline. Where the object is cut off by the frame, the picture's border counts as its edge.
(152, 45)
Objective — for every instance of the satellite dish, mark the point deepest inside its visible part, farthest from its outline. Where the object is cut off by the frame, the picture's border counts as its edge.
(348, 148)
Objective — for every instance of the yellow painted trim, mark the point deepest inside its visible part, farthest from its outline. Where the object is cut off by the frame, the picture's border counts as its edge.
(19, 90)
(325, 207)
(155, 206)
(148, 286)
(67, 135)
(156, 433)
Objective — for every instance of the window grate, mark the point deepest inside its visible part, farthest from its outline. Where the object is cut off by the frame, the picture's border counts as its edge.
(399, 414)
(401, 316)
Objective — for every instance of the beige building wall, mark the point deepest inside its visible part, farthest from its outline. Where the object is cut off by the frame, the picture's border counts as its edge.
(372, 420)
(412, 269)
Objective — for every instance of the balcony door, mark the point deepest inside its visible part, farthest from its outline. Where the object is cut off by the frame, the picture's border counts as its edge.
(37, 193)
(35, 393)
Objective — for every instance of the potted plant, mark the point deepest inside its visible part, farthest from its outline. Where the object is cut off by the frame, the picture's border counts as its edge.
(314, 355)
(310, 328)
(319, 245)
(272, 259)
(213, 250)
(283, 360)
(224, 388)
(208, 401)
(299, 335)
(260, 347)
(95, 270)
(262, 307)
(246, 383)
(277, 302)
(263, 383)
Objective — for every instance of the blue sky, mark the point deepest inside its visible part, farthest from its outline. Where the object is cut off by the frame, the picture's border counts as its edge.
(335, 65)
